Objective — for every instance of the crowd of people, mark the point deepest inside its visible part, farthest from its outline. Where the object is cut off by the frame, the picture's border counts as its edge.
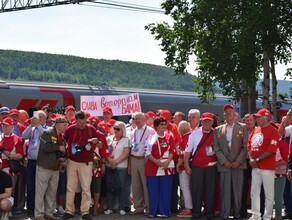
(56, 166)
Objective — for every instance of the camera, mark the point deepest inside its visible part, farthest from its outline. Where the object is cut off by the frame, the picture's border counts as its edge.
(60, 154)
(78, 150)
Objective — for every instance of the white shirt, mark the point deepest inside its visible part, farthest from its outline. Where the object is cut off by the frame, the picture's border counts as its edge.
(194, 140)
(138, 139)
(229, 130)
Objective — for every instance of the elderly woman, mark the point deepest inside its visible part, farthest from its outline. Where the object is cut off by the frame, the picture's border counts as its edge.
(117, 168)
(184, 129)
(159, 169)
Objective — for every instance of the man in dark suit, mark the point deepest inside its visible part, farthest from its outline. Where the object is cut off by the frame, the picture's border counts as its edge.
(230, 142)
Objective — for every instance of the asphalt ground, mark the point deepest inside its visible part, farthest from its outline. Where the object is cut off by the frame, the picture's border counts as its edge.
(114, 216)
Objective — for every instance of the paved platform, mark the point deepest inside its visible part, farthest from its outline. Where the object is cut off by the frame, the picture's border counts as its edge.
(114, 216)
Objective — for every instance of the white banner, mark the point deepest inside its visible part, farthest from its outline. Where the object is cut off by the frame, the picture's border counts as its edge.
(120, 104)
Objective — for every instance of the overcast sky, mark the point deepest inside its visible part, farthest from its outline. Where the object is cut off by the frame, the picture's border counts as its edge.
(86, 31)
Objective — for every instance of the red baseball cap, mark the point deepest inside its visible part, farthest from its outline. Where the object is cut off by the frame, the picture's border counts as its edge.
(94, 119)
(69, 108)
(14, 112)
(112, 122)
(107, 109)
(207, 116)
(166, 114)
(27, 121)
(150, 114)
(263, 112)
(7, 121)
(228, 106)
(54, 116)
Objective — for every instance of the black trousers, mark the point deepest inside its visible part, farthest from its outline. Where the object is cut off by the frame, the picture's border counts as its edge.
(204, 186)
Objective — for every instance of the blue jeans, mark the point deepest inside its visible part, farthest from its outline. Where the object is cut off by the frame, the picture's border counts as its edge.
(30, 181)
(122, 184)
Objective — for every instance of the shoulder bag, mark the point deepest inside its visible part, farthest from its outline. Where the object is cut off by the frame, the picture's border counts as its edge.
(199, 146)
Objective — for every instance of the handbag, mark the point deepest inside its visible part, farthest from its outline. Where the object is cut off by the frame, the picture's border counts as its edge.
(16, 166)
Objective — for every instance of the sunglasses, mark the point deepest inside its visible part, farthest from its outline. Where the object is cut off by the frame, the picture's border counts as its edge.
(117, 129)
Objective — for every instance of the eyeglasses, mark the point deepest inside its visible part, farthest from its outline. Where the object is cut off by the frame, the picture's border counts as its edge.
(162, 123)
(117, 129)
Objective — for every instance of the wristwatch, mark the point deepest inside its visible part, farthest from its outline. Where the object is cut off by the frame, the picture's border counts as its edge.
(257, 159)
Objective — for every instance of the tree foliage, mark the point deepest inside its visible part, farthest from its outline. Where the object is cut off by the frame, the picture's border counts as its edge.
(228, 39)
(19, 65)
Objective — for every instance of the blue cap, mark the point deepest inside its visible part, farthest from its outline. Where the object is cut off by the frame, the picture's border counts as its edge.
(4, 109)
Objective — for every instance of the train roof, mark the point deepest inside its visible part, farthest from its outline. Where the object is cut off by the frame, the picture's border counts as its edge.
(10, 83)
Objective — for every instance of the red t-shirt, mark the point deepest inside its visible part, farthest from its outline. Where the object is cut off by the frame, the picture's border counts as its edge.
(205, 156)
(75, 136)
(176, 136)
(182, 147)
(13, 144)
(261, 140)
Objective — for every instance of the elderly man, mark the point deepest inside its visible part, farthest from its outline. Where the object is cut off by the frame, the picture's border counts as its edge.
(18, 128)
(6, 201)
(249, 121)
(230, 142)
(81, 139)
(50, 156)
(70, 113)
(23, 116)
(107, 114)
(4, 113)
(33, 133)
(262, 147)
(178, 117)
(204, 171)
(137, 161)
(194, 118)
(150, 116)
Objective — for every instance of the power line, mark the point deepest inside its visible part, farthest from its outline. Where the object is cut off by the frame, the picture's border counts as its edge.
(127, 3)
(117, 8)
(128, 6)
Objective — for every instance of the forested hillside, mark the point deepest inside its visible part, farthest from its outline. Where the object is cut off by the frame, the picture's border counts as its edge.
(18, 65)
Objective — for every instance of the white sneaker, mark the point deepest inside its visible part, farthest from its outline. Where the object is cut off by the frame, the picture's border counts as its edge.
(61, 210)
(107, 212)
(122, 212)
(5, 216)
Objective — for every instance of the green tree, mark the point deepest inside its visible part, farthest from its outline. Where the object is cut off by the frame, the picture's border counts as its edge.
(228, 38)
